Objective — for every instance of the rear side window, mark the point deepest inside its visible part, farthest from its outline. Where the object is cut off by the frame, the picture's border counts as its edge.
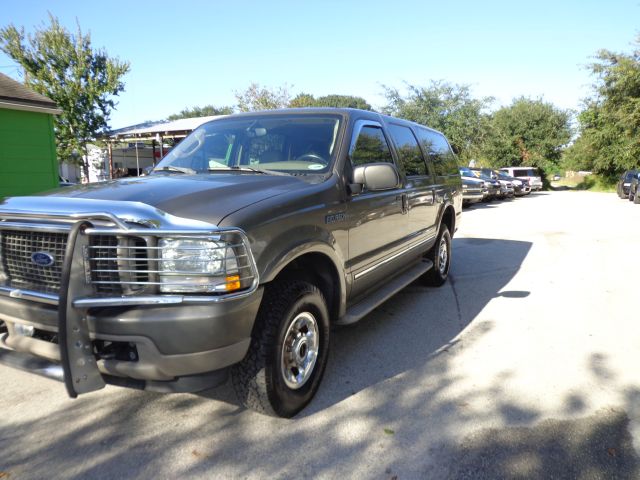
(524, 172)
(371, 147)
(408, 150)
(439, 152)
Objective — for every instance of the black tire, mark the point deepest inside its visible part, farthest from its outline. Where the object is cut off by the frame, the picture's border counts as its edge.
(438, 275)
(636, 200)
(630, 197)
(259, 380)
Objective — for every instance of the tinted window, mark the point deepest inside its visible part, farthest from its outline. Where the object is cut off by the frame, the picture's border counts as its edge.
(371, 147)
(408, 150)
(439, 152)
(524, 172)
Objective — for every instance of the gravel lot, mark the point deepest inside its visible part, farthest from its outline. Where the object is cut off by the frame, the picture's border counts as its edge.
(524, 365)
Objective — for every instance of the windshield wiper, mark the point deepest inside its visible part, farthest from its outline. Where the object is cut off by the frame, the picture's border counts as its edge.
(237, 168)
(173, 168)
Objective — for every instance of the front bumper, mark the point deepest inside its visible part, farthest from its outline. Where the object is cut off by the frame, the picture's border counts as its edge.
(472, 196)
(170, 341)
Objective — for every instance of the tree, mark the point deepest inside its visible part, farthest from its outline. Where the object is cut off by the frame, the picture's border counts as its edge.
(206, 111)
(303, 100)
(447, 107)
(256, 98)
(609, 140)
(81, 80)
(527, 132)
(336, 101)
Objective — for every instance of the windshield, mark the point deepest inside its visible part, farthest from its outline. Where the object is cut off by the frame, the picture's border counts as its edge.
(466, 172)
(294, 144)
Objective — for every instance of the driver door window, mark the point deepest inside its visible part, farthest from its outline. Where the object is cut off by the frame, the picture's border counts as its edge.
(370, 147)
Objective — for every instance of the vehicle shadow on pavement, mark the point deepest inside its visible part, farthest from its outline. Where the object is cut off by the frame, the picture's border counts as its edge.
(420, 323)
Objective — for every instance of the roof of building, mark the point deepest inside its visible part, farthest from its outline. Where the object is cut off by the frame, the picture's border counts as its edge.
(16, 96)
(176, 127)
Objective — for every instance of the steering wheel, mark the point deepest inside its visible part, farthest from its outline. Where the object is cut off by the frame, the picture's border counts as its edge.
(312, 157)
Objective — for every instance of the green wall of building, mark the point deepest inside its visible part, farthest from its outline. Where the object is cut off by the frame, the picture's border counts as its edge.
(27, 153)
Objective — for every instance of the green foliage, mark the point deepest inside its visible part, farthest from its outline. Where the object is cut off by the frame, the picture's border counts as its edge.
(342, 101)
(206, 111)
(446, 107)
(303, 100)
(256, 98)
(609, 140)
(529, 133)
(80, 79)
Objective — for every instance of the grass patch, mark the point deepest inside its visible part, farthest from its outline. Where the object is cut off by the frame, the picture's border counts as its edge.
(592, 183)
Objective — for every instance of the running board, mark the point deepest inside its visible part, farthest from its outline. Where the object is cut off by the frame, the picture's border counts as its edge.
(384, 293)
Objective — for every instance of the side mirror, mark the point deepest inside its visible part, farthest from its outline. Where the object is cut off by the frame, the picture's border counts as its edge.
(375, 177)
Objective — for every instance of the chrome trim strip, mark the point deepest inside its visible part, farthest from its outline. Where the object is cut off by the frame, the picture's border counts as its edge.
(157, 300)
(391, 258)
(33, 227)
(48, 298)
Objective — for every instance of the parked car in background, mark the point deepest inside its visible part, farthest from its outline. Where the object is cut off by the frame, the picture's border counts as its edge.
(530, 174)
(492, 187)
(506, 186)
(497, 190)
(633, 187)
(473, 190)
(622, 189)
(520, 186)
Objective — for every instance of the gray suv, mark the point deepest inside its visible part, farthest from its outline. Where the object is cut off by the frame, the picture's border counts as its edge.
(239, 251)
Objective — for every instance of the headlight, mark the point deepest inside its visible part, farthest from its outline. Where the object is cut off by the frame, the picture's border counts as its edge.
(197, 265)
(465, 186)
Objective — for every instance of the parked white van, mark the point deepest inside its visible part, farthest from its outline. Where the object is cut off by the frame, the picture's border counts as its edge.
(526, 173)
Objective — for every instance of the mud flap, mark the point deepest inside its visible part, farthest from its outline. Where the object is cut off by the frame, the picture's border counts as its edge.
(81, 374)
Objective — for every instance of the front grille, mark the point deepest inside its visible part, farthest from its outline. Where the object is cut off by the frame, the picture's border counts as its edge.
(119, 265)
(18, 267)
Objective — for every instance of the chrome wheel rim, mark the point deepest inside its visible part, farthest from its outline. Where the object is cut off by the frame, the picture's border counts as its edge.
(299, 350)
(443, 256)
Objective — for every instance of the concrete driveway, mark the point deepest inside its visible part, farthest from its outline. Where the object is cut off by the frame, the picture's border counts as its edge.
(524, 365)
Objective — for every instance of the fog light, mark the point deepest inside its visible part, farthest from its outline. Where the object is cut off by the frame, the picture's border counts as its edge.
(24, 330)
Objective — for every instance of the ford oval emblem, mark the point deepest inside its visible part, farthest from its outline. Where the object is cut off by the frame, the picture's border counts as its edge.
(42, 259)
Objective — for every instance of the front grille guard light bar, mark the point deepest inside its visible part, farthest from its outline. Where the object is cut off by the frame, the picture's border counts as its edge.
(237, 262)
(118, 228)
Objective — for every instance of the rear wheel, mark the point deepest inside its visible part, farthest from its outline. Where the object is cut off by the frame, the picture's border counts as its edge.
(288, 353)
(440, 255)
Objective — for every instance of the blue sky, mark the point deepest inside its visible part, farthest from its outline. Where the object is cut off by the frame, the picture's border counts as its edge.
(191, 53)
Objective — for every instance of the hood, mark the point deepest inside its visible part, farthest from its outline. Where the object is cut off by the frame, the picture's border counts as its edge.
(209, 198)
(472, 180)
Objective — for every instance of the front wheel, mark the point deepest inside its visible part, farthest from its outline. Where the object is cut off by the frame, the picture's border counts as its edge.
(288, 353)
(440, 255)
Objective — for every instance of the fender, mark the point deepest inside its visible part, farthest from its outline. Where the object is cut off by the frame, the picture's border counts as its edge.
(292, 245)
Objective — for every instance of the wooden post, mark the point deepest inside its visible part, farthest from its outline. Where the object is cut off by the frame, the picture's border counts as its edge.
(110, 161)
